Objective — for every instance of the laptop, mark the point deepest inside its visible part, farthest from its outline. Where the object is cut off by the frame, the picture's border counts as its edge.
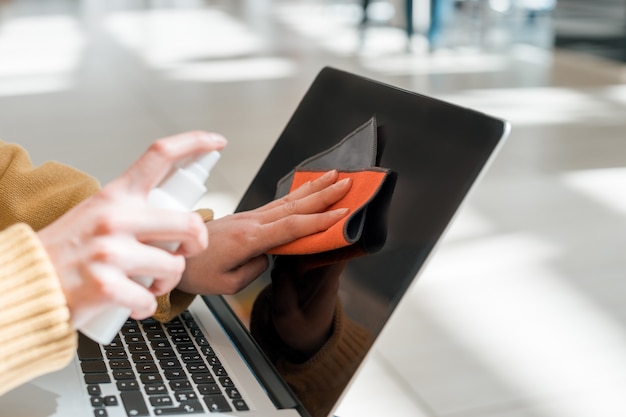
(208, 361)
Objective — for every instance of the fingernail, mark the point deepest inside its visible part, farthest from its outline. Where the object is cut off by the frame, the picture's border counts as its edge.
(343, 182)
(341, 211)
(329, 174)
(217, 138)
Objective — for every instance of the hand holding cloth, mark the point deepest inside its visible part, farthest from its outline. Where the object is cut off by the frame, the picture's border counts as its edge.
(364, 229)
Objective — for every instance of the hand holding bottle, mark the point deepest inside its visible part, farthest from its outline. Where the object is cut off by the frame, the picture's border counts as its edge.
(100, 244)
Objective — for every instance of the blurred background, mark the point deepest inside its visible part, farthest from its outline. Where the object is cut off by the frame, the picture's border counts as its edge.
(521, 313)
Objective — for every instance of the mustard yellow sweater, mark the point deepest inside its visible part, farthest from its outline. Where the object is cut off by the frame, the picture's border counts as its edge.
(36, 335)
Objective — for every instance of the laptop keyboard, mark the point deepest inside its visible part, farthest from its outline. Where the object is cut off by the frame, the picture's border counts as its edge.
(155, 369)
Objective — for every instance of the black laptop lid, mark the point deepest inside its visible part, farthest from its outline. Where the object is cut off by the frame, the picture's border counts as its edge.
(437, 151)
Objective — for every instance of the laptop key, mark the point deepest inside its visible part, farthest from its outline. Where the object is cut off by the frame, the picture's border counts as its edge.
(220, 371)
(110, 400)
(161, 401)
(135, 338)
(116, 343)
(191, 357)
(203, 378)
(184, 396)
(120, 364)
(174, 374)
(97, 379)
(156, 335)
(217, 403)
(191, 407)
(176, 330)
(197, 367)
(142, 357)
(195, 331)
(233, 393)
(97, 401)
(186, 348)
(240, 405)
(151, 378)
(87, 348)
(181, 339)
(170, 364)
(123, 375)
(161, 344)
(155, 389)
(207, 350)
(116, 353)
(151, 324)
(92, 367)
(209, 389)
(214, 361)
(94, 390)
(146, 368)
(165, 354)
(226, 382)
(127, 385)
(138, 347)
(181, 385)
(134, 404)
(201, 341)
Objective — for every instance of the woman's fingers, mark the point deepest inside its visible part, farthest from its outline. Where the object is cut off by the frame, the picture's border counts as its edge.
(310, 203)
(304, 190)
(163, 226)
(135, 259)
(109, 283)
(158, 160)
(158, 226)
(290, 228)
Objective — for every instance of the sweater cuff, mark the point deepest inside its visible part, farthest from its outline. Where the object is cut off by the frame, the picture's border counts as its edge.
(35, 328)
(172, 304)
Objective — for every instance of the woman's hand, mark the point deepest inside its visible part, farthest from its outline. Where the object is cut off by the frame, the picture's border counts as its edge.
(238, 241)
(100, 243)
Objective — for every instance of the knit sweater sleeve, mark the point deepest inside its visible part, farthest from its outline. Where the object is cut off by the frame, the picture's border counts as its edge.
(35, 330)
(38, 195)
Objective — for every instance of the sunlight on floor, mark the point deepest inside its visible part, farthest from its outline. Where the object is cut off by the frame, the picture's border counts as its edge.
(235, 70)
(540, 105)
(39, 54)
(163, 37)
(605, 186)
(197, 45)
(539, 344)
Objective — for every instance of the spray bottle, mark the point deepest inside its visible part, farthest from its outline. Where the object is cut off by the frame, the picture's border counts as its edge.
(179, 191)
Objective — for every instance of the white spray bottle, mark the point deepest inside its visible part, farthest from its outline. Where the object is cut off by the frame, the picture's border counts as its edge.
(180, 191)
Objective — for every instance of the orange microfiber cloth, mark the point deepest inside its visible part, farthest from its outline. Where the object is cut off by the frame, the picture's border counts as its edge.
(364, 229)
(365, 186)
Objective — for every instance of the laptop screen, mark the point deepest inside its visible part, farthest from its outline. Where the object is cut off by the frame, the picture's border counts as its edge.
(436, 151)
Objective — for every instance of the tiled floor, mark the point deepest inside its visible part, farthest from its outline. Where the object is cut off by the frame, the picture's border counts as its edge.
(520, 314)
